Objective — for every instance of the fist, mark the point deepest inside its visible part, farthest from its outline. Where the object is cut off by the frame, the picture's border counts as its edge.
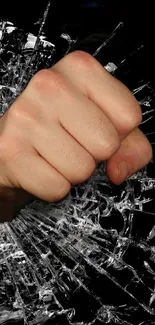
(70, 117)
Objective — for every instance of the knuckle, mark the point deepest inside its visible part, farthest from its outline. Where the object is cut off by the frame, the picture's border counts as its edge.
(62, 191)
(84, 171)
(134, 119)
(81, 58)
(48, 80)
(110, 148)
(40, 77)
(15, 111)
(20, 111)
(108, 140)
(106, 148)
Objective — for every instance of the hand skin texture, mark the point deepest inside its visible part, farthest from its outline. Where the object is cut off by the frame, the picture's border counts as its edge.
(68, 118)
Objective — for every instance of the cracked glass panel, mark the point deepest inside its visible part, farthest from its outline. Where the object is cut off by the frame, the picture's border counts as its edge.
(90, 258)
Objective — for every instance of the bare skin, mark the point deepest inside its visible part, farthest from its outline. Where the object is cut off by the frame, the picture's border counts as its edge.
(67, 119)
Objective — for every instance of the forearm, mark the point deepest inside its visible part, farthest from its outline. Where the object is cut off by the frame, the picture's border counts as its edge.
(11, 201)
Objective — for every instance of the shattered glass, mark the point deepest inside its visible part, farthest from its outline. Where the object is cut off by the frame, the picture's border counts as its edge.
(90, 258)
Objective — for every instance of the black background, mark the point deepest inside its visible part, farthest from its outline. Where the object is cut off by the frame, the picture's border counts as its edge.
(80, 19)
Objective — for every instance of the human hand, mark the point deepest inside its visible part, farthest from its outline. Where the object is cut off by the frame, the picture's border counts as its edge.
(67, 119)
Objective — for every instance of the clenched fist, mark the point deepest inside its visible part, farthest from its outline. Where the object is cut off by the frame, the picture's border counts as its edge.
(70, 117)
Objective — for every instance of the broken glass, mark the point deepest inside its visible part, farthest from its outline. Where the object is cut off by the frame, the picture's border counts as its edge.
(90, 258)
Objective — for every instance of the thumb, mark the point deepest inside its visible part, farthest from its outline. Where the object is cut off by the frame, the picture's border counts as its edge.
(134, 154)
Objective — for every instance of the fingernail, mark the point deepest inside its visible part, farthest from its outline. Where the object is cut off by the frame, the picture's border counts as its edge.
(124, 170)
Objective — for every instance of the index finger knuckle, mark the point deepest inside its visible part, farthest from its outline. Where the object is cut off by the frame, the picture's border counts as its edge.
(81, 59)
(49, 80)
